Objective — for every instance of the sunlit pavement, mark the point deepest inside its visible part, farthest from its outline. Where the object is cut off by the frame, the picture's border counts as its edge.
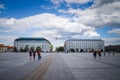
(59, 66)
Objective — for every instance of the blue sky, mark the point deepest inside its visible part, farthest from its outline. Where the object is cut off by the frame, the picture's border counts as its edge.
(23, 8)
(64, 19)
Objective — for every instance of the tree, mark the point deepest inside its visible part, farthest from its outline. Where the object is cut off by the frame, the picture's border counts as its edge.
(32, 49)
(15, 49)
(91, 50)
(77, 50)
(21, 49)
(26, 48)
(60, 49)
(56, 49)
(38, 49)
(51, 47)
(72, 50)
(81, 50)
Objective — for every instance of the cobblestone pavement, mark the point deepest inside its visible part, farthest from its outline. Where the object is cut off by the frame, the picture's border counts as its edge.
(59, 66)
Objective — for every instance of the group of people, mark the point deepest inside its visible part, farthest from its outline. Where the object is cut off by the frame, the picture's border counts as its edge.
(33, 53)
(95, 53)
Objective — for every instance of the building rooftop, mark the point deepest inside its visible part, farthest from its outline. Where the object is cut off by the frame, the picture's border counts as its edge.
(10, 47)
(85, 40)
(31, 39)
(1, 45)
(28, 38)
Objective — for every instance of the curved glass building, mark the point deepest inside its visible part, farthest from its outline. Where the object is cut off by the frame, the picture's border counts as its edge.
(27, 43)
(83, 45)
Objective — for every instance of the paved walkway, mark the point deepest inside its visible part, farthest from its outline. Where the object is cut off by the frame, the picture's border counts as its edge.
(59, 66)
(14, 66)
(58, 70)
(84, 67)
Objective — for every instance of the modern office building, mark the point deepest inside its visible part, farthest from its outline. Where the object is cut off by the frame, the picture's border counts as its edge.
(27, 43)
(83, 45)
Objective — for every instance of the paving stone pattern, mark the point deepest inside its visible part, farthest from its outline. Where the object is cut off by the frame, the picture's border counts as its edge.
(58, 70)
(71, 66)
(85, 67)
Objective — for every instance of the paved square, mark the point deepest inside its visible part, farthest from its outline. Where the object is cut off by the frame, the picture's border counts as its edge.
(59, 66)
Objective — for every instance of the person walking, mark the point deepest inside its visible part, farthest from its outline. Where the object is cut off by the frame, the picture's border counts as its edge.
(99, 54)
(94, 54)
(34, 53)
(113, 53)
(38, 52)
(30, 54)
(39, 55)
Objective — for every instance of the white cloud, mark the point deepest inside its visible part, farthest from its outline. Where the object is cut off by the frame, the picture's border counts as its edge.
(7, 40)
(99, 3)
(56, 1)
(48, 34)
(44, 22)
(104, 12)
(2, 6)
(115, 31)
(77, 1)
(69, 1)
(82, 24)
(91, 34)
(44, 7)
(80, 16)
(48, 26)
(104, 15)
(112, 41)
(108, 13)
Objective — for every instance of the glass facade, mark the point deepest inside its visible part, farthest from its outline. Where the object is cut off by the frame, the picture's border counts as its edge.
(43, 43)
(83, 45)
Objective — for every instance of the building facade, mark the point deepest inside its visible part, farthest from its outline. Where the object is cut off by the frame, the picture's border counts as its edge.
(83, 45)
(4, 48)
(27, 43)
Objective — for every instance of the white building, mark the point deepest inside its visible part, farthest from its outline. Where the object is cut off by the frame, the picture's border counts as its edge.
(22, 43)
(3, 48)
(83, 45)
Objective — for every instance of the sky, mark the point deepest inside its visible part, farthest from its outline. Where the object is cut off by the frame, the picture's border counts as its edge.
(61, 19)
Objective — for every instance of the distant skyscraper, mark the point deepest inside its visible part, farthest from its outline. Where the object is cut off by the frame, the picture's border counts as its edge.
(22, 43)
(83, 45)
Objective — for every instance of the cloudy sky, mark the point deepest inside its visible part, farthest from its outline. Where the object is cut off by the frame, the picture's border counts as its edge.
(64, 19)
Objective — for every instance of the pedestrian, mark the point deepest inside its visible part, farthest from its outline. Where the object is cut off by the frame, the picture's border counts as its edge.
(113, 53)
(34, 53)
(39, 55)
(104, 53)
(94, 54)
(99, 54)
(30, 54)
(67, 51)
